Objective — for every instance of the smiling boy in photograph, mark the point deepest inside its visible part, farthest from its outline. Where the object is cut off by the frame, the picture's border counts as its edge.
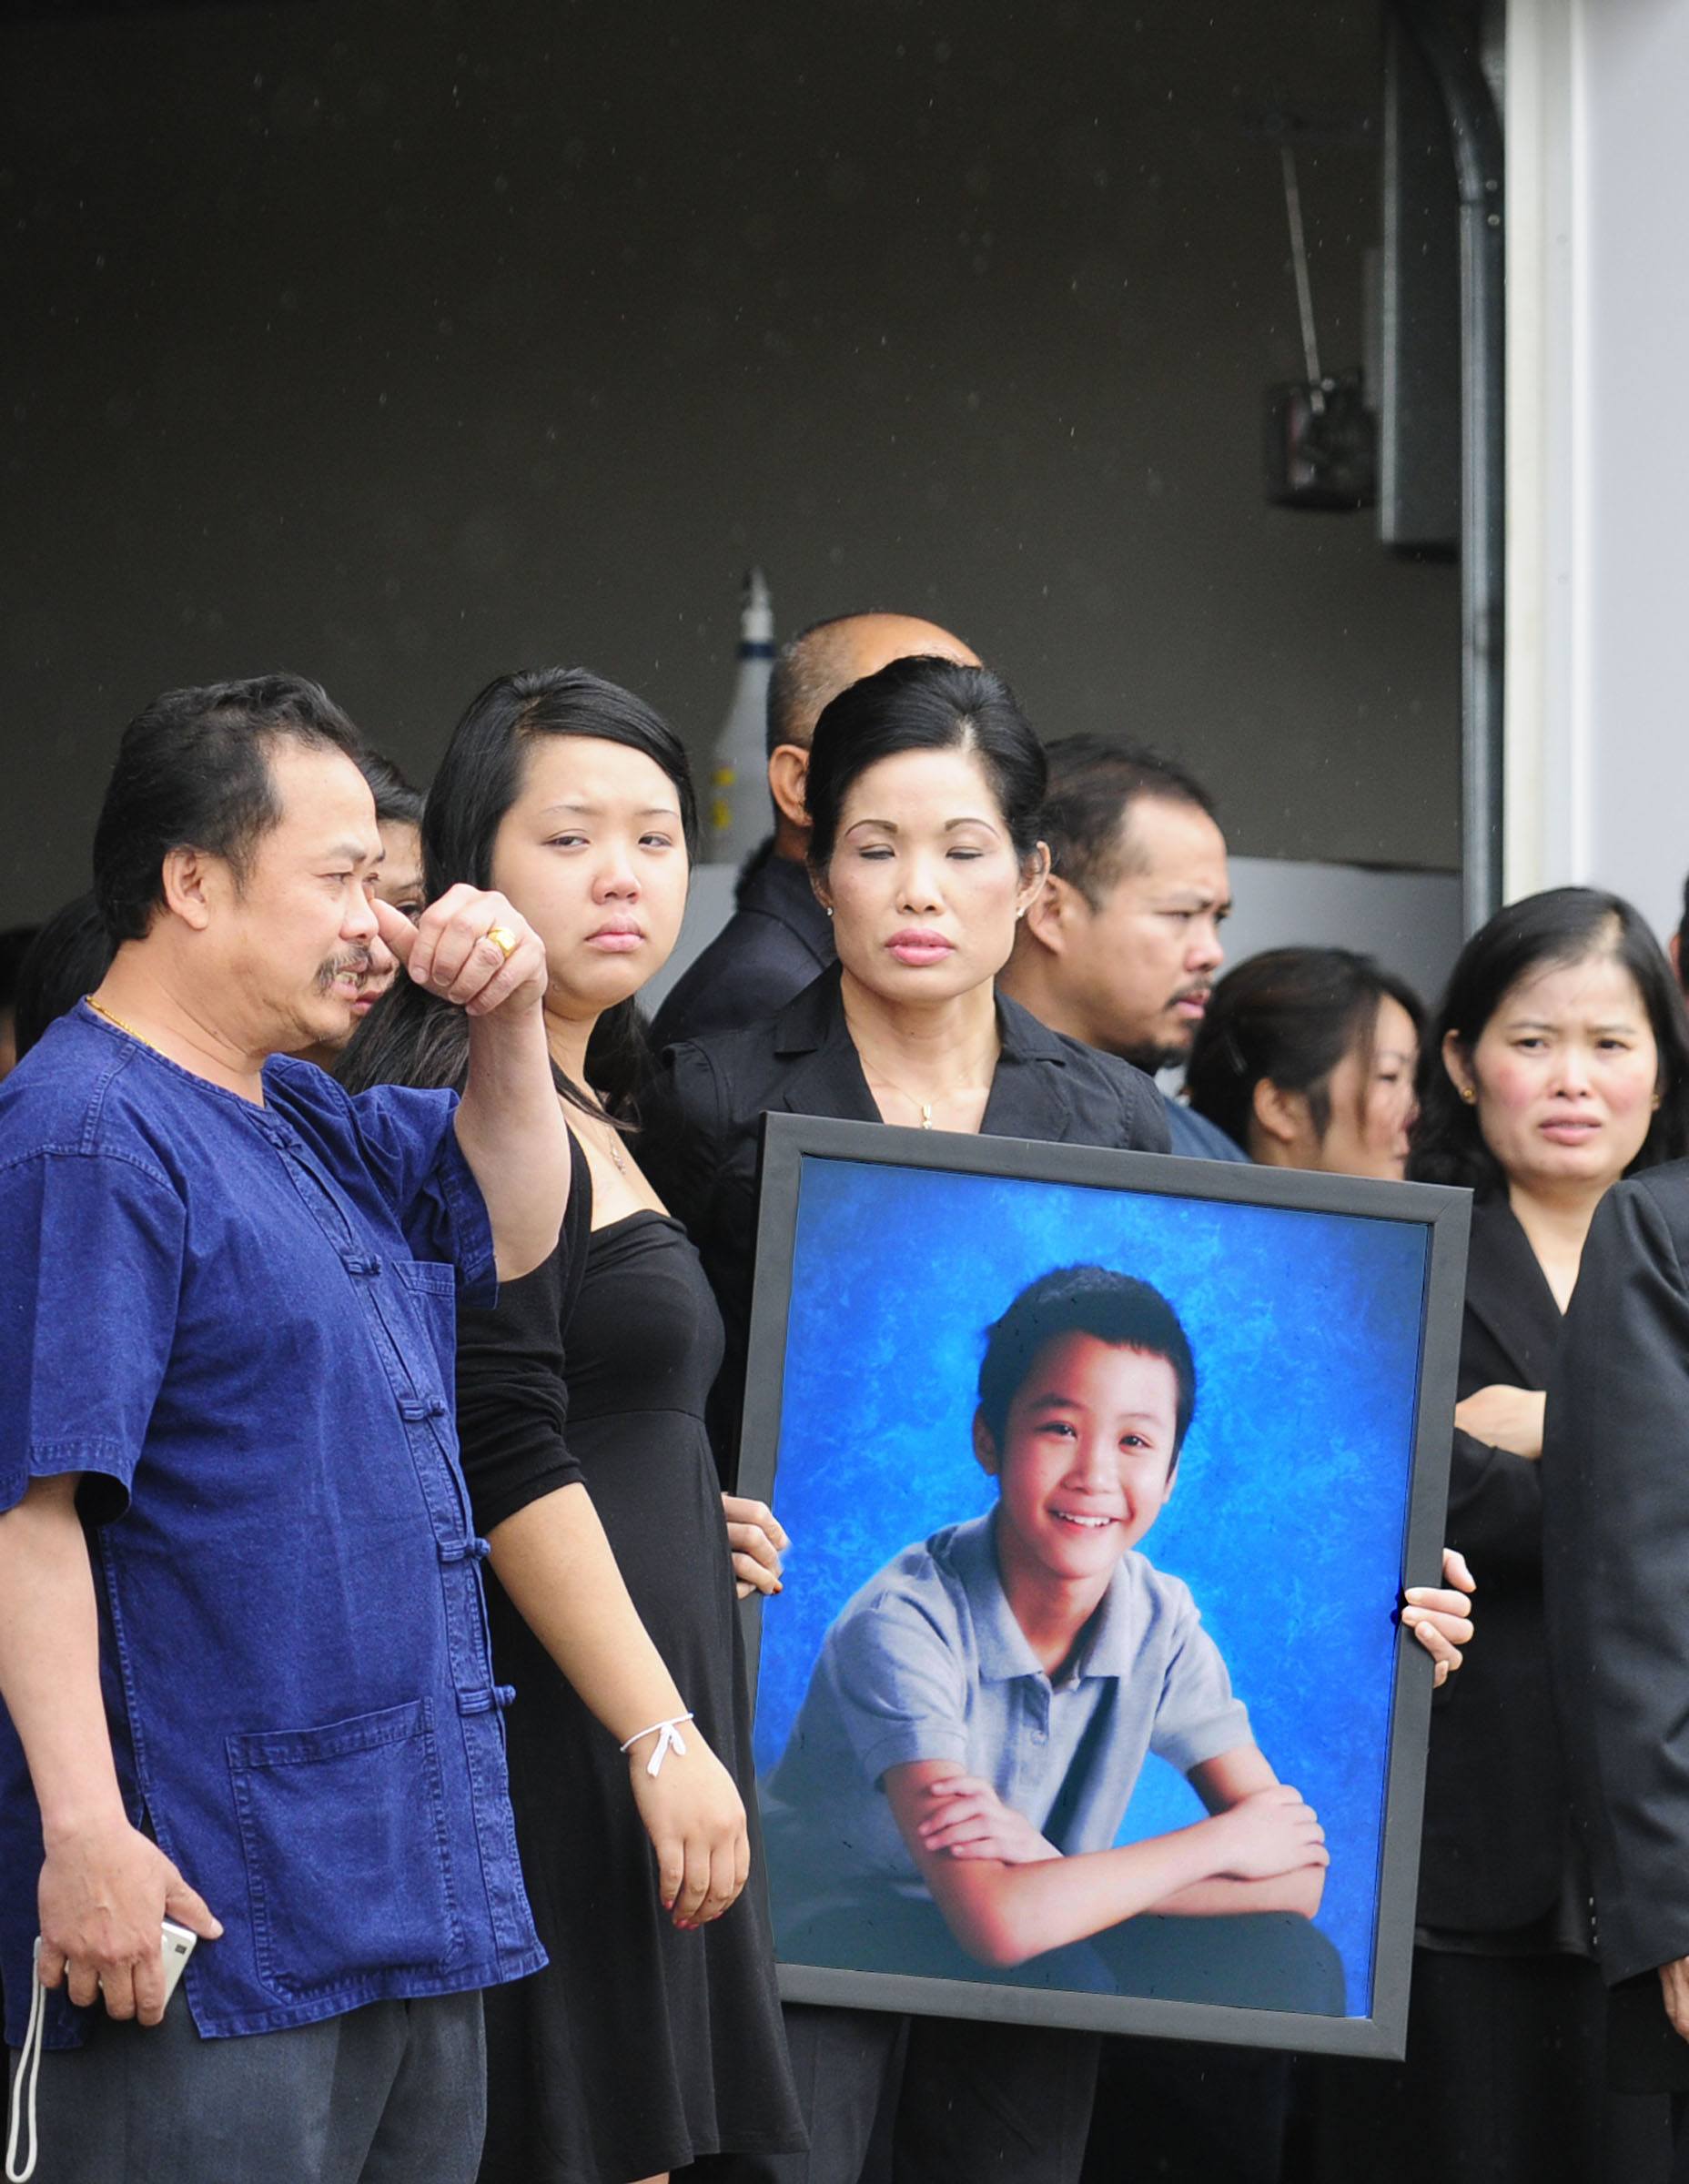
(980, 1713)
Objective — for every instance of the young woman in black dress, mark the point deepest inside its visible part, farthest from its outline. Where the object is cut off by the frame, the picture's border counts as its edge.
(653, 2038)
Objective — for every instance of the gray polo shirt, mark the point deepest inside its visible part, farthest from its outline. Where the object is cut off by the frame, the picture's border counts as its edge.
(928, 1662)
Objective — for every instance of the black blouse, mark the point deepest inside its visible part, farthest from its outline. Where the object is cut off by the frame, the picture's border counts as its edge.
(702, 1123)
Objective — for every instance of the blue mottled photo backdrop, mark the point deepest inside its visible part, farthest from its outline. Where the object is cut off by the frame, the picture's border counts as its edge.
(1287, 1518)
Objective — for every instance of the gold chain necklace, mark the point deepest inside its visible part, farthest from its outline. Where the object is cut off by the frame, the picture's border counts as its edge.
(100, 1009)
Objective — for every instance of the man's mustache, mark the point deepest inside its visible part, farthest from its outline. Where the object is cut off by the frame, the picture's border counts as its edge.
(357, 963)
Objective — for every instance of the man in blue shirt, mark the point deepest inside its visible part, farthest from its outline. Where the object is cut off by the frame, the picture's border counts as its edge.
(243, 1653)
(1123, 947)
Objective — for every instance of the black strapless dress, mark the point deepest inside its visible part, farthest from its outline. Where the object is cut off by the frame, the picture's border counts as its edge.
(639, 2048)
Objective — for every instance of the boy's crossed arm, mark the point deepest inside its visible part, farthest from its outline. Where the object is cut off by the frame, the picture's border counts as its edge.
(1223, 1784)
(1007, 1894)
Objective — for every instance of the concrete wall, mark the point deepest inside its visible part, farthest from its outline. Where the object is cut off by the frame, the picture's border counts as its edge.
(404, 342)
(1598, 728)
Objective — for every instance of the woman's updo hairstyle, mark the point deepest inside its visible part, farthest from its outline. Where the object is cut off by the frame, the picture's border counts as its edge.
(923, 703)
(1288, 1016)
(1563, 925)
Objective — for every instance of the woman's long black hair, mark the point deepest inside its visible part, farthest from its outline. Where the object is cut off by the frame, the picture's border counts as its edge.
(414, 1038)
(1564, 925)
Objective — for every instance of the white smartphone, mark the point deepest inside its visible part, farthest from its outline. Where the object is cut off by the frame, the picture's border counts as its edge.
(178, 1947)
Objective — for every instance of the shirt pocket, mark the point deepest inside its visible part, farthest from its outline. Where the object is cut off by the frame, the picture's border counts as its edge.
(344, 1833)
(431, 1288)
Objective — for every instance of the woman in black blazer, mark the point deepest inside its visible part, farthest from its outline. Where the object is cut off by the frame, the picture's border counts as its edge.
(924, 789)
(924, 792)
(702, 1128)
(1558, 1062)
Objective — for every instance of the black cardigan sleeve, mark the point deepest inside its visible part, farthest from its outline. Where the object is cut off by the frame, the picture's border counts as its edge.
(1495, 1505)
(513, 1402)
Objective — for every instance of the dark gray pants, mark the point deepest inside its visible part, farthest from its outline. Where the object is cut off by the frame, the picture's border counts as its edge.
(394, 2093)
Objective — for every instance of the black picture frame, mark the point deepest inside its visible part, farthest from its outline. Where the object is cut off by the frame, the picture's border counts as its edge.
(1442, 1214)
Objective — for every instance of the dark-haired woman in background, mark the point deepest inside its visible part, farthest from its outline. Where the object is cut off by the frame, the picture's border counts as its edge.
(398, 880)
(399, 805)
(68, 958)
(1306, 1058)
(655, 2038)
(14, 944)
(1559, 1062)
(924, 792)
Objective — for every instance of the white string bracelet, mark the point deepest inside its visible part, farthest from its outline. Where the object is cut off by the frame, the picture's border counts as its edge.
(669, 1739)
(23, 2084)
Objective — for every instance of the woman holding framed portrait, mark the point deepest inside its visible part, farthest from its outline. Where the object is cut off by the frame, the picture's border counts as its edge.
(924, 792)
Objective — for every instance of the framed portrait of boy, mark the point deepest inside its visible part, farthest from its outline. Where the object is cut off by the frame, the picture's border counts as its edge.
(1085, 1700)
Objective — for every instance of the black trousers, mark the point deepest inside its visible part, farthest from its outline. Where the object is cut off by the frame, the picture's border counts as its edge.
(978, 2103)
(991, 2103)
(1505, 2082)
(1184, 2112)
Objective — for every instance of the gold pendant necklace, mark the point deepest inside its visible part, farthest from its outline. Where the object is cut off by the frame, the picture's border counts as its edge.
(924, 1107)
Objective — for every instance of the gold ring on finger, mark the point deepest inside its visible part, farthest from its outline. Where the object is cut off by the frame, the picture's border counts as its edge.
(503, 939)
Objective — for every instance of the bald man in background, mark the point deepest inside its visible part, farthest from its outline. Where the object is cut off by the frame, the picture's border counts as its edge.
(778, 940)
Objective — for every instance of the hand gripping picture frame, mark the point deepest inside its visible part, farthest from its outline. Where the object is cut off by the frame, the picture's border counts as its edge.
(1085, 1702)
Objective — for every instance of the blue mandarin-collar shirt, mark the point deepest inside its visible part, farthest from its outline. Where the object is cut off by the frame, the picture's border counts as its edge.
(928, 1662)
(238, 1323)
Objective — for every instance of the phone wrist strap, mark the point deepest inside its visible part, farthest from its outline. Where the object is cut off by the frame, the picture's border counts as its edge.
(669, 1739)
(23, 2084)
